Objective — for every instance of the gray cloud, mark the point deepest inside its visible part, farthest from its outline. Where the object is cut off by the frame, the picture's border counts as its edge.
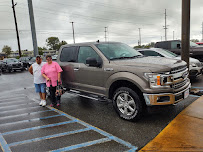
(123, 18)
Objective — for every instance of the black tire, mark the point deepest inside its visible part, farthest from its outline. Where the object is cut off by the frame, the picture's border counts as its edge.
(9, 70)
(14, 70)
(127, 110)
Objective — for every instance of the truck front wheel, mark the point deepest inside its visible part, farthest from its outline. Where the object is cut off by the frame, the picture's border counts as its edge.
(127, 103)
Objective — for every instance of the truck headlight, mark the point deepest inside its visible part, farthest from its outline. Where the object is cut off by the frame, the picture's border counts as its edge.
(158, 80)
(154, 78)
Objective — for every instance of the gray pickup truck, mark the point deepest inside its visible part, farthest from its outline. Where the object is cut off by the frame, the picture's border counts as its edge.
(196, 51)
(116, 72)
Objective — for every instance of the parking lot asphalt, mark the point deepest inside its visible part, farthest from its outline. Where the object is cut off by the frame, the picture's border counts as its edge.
(48, 129)
(26, 126)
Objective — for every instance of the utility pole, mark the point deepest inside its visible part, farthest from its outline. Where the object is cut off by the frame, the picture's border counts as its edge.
(105, 33)
(16, 25)
(161, 38)
(185, 52)
(32, 23)
(139, 36)
(73, 32)
(165, 27)
(173, 35)
(202, 32)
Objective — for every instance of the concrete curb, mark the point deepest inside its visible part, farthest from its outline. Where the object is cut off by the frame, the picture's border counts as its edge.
(184, 133)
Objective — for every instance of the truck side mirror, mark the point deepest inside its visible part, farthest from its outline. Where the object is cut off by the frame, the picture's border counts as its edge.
(93, 62)
(178, 46)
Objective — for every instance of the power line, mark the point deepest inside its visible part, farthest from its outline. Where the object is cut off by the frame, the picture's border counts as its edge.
(54, 12)
(102, 4)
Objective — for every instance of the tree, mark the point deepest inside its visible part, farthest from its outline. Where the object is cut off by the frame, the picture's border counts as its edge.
(40, 52)
(52, 43)
(42, 48)
(6, 49)
(145, 46)
(61, 43)
(195, 40)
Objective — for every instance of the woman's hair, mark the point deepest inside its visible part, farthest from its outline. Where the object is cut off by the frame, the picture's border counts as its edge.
(48, 56)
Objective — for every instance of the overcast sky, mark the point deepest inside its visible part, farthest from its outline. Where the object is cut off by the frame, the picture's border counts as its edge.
(122, 17)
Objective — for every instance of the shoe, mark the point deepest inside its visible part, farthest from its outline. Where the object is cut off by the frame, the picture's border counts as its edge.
(44, 103)
(51, 105)
(41, 102)
(58, 103)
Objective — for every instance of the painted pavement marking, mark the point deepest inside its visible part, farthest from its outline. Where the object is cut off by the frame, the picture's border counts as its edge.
(109, 137)
(24, 114)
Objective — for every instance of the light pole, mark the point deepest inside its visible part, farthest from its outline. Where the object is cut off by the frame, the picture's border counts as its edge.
(73, 32)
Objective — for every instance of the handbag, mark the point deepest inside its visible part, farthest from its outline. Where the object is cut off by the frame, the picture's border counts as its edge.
(59, 90)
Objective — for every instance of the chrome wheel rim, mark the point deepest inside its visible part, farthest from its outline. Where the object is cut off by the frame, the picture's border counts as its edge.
(126, 104)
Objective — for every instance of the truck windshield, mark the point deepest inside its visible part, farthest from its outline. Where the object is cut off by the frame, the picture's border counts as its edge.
(117, 51)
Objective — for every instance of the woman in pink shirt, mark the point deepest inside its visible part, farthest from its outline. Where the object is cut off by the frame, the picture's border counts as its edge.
(52, 73)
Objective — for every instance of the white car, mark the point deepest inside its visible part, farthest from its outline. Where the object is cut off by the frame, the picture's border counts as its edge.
(195, 65)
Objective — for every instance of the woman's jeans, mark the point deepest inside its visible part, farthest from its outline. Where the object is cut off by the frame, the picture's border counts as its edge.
(54, 99)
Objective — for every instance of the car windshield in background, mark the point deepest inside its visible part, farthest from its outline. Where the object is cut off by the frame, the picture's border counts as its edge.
(33, 59)
(168, 53)
(192, 44)
(117, 51)
(12, 60)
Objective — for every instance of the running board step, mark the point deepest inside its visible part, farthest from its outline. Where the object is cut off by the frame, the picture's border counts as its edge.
(85, 95)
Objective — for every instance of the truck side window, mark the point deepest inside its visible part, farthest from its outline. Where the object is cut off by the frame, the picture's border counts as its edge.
(151, 53)
(68, 54)
(175, 45)
(142, 52)
(86, 52)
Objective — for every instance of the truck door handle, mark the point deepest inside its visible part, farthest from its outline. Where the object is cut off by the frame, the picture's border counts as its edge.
(76, 69)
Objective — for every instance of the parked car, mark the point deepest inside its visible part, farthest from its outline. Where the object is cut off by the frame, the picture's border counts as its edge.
(25, 61)
(118, 73)
(195, 69)
(1, 66)
(196, 51)
(199, 43)
(12, 64)
(31, 61)
(54, 57)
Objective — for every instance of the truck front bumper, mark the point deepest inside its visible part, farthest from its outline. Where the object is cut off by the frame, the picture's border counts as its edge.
(166, 98)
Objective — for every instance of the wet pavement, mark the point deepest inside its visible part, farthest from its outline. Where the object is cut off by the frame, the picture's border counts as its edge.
(25, 126)
(183, 134)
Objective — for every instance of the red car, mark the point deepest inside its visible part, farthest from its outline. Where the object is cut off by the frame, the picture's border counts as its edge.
(199, 43)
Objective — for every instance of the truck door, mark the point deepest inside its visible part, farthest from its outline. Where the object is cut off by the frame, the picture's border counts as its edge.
(89, 79)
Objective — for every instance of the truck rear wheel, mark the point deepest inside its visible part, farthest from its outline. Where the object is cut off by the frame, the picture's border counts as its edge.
(127, 103)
